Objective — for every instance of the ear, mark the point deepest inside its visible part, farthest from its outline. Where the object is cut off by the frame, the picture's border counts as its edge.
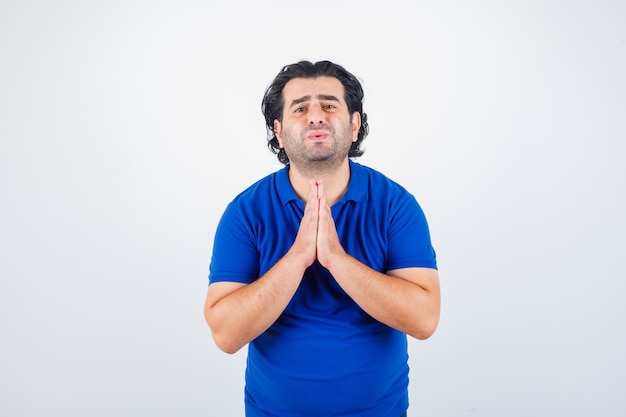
(356, 125)
(278, 132)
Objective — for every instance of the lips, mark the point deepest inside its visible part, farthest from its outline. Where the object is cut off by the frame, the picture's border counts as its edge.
(318, 134)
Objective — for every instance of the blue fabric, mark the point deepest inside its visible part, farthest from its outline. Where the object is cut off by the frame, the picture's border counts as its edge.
(324, 355)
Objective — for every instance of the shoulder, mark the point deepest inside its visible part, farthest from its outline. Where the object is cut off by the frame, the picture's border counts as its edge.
(378, 185)
(264, 192)
(257, 188)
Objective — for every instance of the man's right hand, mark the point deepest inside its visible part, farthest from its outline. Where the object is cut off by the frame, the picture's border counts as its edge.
(304, 248)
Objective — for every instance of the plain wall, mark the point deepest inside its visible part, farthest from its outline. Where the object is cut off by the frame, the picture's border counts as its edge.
(127, 126)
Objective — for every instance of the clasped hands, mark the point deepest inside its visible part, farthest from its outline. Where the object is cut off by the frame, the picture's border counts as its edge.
(317, 236)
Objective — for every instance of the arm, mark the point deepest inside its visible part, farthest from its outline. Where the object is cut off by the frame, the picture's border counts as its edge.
(406, 299)
(238, 313)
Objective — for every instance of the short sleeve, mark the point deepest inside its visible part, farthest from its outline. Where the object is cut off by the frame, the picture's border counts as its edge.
(409, 237)
(235, 256)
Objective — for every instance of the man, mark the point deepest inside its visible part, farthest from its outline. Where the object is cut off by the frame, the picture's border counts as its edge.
(324, 266)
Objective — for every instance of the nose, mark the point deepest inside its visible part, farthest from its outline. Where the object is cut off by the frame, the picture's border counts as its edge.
(316, 115)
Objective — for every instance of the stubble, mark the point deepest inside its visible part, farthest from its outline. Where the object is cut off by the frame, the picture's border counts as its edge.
(315, 159)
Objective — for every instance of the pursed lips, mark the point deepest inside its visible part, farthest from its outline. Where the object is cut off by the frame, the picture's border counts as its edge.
(318, 134)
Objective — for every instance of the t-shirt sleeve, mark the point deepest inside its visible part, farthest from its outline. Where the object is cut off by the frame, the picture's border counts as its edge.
(235, 256)
(409, 237)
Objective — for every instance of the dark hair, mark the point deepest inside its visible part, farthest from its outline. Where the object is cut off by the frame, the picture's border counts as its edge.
(272, 104)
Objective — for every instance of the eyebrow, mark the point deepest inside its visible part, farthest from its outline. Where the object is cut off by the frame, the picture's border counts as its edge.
(324, 97)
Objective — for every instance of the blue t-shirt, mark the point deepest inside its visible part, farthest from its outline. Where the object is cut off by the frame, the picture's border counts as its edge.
(324, 356)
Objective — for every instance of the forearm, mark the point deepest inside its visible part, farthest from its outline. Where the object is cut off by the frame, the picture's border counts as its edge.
(238, 317)
(407, 300)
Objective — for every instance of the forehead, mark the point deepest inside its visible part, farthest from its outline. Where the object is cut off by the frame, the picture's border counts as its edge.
(297, 88)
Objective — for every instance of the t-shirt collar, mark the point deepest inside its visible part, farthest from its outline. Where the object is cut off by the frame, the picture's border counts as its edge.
(357, 187)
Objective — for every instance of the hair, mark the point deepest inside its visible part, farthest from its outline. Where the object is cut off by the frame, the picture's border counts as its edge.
(273, 103)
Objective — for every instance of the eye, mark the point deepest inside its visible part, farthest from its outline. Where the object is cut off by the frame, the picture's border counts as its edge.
(329, 106)
(299, 109)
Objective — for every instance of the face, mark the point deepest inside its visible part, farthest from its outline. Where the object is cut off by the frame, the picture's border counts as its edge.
(317, 129)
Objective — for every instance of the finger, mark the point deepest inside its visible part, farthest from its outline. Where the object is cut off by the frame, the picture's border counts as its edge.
(311, 202)
(313, 191)
(320, 189)
(323, 203)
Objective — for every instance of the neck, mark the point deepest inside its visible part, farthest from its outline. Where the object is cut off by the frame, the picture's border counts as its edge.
(335, 181)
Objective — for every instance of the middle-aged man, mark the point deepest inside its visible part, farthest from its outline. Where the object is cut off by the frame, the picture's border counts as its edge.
(324, 266)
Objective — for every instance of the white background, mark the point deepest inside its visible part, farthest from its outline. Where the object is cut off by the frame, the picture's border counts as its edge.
(127, 126)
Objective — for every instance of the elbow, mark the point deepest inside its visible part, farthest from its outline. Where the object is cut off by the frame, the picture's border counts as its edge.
(221, 337)
(425, 328)
(226, 344)
(429, 321)
(425, 333)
